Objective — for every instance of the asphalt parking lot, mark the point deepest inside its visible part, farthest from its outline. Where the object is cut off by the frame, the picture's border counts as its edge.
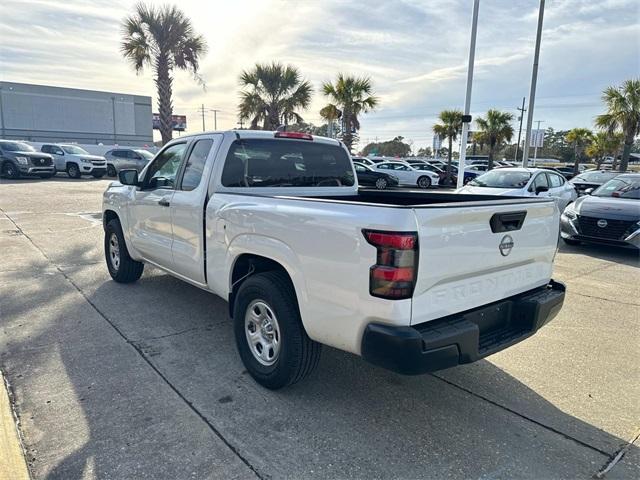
(143, 380)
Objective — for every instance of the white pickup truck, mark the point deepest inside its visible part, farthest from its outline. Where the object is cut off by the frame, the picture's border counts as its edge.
(273, 222)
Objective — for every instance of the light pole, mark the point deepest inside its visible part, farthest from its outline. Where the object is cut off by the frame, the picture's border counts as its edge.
(532, 92)
(466, 119)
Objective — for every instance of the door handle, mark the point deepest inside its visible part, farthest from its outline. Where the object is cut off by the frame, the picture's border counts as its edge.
(164, 203)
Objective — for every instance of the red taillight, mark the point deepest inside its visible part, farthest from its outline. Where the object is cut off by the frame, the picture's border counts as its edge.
(394, 274)
(296, 135)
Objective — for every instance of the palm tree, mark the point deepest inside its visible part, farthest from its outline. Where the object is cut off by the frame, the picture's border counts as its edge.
(449, 127)
(331, 114)
(495, 129)
(580, 137)
(273, 95)
(162, 38)
(351, 96)
(623, 114)
(603, 144)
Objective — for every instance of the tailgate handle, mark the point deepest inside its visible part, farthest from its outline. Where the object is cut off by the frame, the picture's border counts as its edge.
(507, 222)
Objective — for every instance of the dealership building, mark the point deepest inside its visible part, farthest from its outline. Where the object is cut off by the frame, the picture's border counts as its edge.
(40, 113)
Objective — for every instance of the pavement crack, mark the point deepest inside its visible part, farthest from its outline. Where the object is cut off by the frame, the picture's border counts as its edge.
(524, 417)
(141, 353)
(617, 456)
(606, 299)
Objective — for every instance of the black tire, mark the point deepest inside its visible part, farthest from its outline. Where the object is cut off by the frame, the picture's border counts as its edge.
(9, 170)
(98, 174)
(73, 171)
(127, 270)
(44, 176)
(381, 183)
(111, 171)
(569, 241)
(424, 182)
(298, 355)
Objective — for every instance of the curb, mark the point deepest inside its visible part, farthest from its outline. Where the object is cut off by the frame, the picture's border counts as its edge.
(12, 461)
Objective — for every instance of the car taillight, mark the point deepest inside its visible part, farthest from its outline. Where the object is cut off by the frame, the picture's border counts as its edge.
(296, 135)
(394, 274)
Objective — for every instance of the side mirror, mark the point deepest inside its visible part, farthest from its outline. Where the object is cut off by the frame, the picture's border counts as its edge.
(128, 177)
(158, 182)
(540, 189)
(589, 191)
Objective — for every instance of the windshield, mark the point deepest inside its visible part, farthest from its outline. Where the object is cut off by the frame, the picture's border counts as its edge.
(146, 155)
(620, 188)
(501, 179)
(73, 150)
(595, 177)
(16, 147)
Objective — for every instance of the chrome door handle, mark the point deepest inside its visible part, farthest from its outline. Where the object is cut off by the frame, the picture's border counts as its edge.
(164, 203)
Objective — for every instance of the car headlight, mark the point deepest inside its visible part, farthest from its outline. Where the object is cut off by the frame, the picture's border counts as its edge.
(85, 160)
(22, 160)
(570, 213)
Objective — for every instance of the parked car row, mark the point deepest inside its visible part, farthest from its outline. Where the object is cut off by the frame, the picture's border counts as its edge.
(18, 159)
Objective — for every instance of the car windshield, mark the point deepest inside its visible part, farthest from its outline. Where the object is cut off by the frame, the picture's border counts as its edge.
(16, 147)
(595, 177)
(620, 188)
(146, 155)
(501, 179)
(73, 150)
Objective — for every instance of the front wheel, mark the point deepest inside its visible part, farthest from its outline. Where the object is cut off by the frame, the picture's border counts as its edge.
(9, 170)
(122, 268)
(111, 171)
(271, 340)
(73, 171)
(381, 183)
(424, 182)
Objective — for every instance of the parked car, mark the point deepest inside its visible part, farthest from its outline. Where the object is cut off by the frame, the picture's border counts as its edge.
(367, 176)
(610, 214)
(408, 175)
(19, 159)
(126, 158)
(75, 160)
(592, 179)
(523, 182)
(566, 172)
(274, 224)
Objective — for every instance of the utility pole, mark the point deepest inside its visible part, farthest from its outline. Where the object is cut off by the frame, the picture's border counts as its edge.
(522, 110)
(535, 148)
(215, 118)
(466, 119)
(202, 111)
(241, 123)
(534, 79)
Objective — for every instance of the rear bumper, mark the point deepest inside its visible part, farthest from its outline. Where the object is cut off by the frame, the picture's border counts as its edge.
(462, 338)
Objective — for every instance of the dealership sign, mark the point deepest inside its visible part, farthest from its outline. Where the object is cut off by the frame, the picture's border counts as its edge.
(178, 122)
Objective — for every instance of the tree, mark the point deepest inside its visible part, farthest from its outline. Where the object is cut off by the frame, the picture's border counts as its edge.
(331, 114)
(623, 114)
(495, 129)
(449, 127)
(580, 138)
(604, 144)
(351, 96)
(162, 38)
(424, 152)
(272, 95)
(392, 148)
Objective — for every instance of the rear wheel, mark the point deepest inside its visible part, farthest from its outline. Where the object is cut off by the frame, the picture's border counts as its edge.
(9, 170)
(424, 182)
(111, 171)
(381, 183)
(73, 171)
(122, 268)
(270, 337)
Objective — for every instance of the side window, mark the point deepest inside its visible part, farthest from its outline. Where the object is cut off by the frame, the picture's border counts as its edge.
(555, 180)
(120, 154)
(132, 155)
(360, 168)
(195, 164)
(539, 181)
(163, 171)
(402, 167)
(384, 166)
(46, 149)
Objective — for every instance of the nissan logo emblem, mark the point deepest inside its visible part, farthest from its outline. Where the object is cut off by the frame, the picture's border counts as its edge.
(506, 244)
(602, 223)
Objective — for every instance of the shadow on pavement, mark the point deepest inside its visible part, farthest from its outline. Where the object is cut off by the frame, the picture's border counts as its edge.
(625, 256)
(349, 419)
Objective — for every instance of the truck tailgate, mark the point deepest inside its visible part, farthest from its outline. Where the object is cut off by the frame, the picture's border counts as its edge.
(468, 260)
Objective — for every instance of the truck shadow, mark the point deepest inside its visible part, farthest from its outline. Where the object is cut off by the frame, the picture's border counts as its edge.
(349, 419)
(624, 256)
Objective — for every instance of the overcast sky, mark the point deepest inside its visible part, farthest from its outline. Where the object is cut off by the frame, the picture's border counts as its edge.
(414, 51)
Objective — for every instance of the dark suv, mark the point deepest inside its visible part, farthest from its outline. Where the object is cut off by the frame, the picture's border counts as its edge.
(18, 159)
